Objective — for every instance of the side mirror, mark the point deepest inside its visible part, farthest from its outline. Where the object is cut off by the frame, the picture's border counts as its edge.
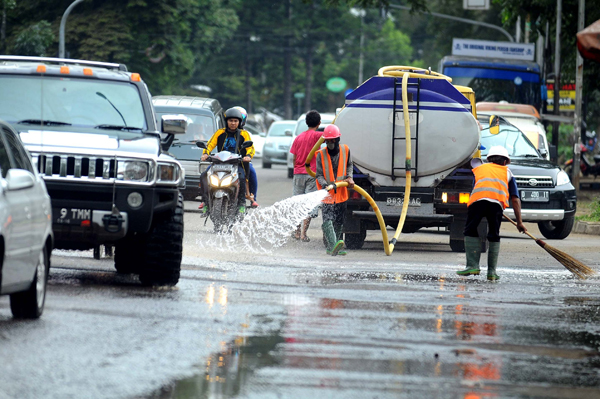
(263, 134)
(201, 144)
(494, 124)
(288, 133)
(247, 144)
(174, 124)
(543, 152)
(19, 179)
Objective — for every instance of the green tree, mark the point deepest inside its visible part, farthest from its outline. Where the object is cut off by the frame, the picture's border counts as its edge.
(33, 40)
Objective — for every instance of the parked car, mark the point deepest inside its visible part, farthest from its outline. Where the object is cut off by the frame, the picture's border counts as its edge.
(547, 196)
(204, 117)
(93, 137)
(523, 116)
(277, 143)
(258, 139)
(301, 126)
(25, 228)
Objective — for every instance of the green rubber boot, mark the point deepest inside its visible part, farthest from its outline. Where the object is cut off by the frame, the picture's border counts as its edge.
(473, 253)
(493, 252)
(338, 237)
(329, 234)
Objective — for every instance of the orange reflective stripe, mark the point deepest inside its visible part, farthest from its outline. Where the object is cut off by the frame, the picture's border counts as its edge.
(341, 194)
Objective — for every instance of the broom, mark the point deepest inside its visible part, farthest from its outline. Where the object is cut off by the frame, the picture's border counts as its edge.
(572, 264)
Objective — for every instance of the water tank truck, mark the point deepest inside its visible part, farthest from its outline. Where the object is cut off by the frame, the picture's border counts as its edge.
(444, 136)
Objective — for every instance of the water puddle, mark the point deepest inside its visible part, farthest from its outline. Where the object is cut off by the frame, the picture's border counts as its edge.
(265, 229)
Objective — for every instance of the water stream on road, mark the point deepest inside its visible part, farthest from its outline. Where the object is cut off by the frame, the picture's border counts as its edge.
(265, 229)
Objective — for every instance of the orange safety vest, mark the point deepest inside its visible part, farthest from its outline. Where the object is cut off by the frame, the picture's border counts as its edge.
(341, 194)
(491, 182)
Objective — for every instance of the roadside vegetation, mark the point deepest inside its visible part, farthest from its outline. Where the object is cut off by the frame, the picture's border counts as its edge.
(588, 207)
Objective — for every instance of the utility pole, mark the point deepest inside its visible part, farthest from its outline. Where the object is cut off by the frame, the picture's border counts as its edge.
(556, 110)
(578, 93)
(61, 32)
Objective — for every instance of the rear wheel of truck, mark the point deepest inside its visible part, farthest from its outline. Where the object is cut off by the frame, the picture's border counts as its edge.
(355, 240)
(557, 230)
(163, 249)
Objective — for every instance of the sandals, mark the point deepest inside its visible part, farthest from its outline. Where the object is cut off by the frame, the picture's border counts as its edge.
(305, 239)
(254, 204)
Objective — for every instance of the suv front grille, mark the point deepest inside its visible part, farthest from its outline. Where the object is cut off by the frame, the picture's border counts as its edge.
(534, 181)
(77, 166)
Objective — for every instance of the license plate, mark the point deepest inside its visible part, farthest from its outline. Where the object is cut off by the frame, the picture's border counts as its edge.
(535, 196)
(71, 215)
(395, 201)
(221, 168)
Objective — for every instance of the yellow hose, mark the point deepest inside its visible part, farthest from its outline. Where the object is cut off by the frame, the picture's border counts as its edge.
(399, 70)
(387, 245)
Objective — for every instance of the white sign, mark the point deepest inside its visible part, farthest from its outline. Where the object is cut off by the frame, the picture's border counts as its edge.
(476, 4)
(483, 48)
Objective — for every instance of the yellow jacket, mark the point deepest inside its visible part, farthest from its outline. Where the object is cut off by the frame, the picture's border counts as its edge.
(218, 140)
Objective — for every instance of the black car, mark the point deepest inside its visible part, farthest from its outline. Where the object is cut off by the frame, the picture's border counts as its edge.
(204, 117)
(91, 130)
(547, 196)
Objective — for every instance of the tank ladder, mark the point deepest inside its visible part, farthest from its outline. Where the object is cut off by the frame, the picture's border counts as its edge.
(415, 113)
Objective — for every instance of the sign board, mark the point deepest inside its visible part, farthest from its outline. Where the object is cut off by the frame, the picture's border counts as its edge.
(299, 95)
(489, 49)
(336, 84)
(476, 4)
(566, 99)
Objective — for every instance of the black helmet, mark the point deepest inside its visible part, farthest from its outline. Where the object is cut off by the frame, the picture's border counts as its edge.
(234, 113)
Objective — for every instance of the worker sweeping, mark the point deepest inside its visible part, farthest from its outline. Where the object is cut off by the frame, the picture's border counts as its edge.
(334, 164)
(494, 185)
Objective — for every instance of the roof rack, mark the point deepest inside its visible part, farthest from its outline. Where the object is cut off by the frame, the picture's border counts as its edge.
(108, 65)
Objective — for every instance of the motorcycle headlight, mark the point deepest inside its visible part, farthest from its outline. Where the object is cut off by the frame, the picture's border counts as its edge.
(214, 180)
(168, 172)
(562, 178)
(226, 181)
(132, 171)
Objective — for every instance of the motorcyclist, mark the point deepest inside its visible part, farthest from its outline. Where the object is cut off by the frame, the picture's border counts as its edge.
(229, 139)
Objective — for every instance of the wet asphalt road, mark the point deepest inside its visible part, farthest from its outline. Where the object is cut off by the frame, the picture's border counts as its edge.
(296, 323)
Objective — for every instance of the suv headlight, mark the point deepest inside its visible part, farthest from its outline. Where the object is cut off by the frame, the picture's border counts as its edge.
(168, 172)
(132, 171)
(562, 178)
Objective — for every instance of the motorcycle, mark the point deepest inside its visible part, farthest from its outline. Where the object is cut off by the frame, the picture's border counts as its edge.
(223, 187)
(587, 168)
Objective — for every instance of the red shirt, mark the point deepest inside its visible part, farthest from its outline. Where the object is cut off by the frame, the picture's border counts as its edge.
(301, 148)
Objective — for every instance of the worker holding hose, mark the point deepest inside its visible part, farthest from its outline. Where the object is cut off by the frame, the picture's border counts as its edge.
(334, 164)
(494, 185)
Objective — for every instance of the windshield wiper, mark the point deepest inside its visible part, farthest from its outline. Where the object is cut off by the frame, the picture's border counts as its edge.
(43, 122)
(527, 155)
(117, 127)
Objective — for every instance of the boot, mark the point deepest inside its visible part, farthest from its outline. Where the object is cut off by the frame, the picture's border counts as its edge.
(493, 252)
(338, 237)
(473, 253)
(333, 245)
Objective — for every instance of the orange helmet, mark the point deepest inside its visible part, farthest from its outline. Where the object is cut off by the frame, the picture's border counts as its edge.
(331, 132)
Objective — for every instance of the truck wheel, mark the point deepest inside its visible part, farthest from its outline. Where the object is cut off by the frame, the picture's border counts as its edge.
(129, 255)
(355, 240)
(557, 230)
(30, 304)
(457, 245)
(164, 248)
(290, 173)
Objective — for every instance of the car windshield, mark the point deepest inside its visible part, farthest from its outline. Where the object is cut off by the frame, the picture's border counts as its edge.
(199, 128)
(510, 138)
(278, 129)
(68, 101)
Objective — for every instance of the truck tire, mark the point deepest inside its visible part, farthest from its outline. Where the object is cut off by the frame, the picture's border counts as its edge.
(557, 230)
(30, 304)
(457, 245)
(163, 250)
(355, 240)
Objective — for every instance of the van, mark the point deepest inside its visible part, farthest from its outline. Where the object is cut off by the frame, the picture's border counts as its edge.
(204, 117)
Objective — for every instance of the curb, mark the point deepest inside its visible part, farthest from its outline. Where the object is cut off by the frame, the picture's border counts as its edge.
(592, 228)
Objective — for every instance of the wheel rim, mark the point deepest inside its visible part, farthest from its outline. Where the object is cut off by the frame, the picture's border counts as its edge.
(40, 285)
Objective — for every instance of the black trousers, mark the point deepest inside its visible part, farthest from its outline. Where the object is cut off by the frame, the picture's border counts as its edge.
(492, 211)
(334, 212)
